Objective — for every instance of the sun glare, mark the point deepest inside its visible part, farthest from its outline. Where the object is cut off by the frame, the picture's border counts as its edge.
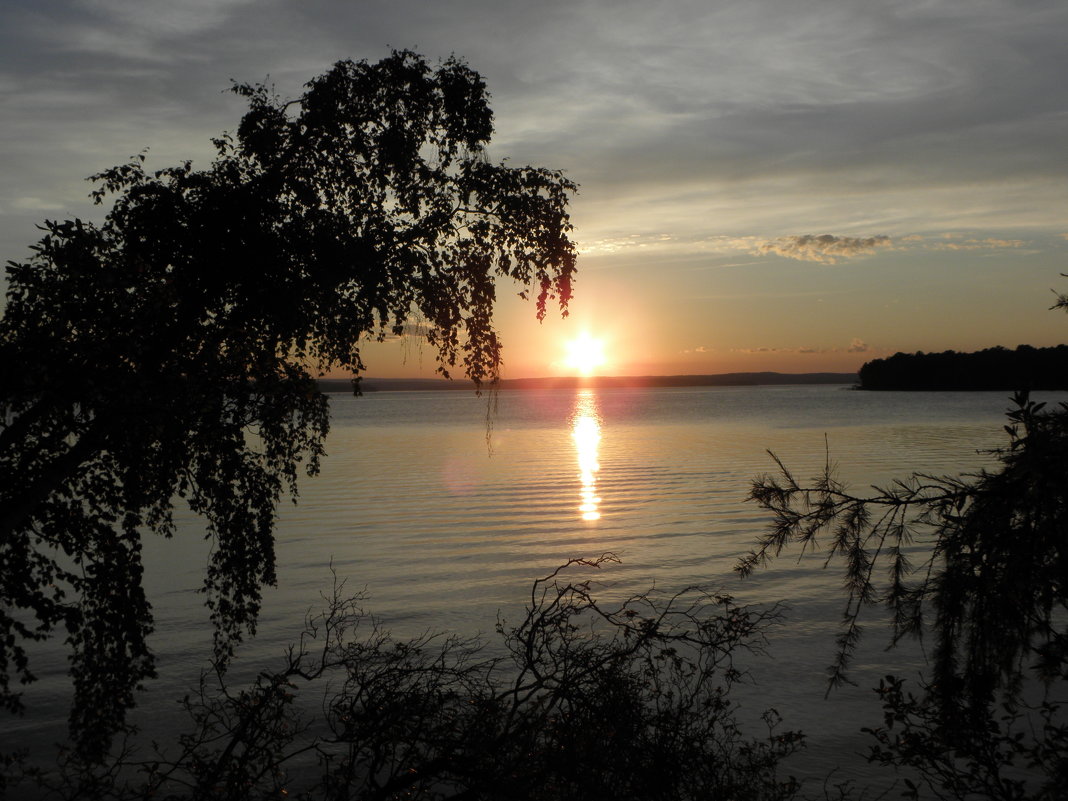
(585, 354)
(586, 431)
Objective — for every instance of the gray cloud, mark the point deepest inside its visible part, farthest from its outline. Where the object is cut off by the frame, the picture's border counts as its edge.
(824, 248)
(687, 118)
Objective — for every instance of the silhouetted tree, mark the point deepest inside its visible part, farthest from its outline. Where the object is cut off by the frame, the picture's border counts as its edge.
(170, 353)
(980, 564)
(627, 701)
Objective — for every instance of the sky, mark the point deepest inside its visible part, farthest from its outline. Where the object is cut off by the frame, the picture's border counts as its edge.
(788, 185)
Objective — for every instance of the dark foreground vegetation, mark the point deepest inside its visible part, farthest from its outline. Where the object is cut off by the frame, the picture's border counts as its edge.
(977, 568)
(1025, 368)
(175, 351)
(590, 700)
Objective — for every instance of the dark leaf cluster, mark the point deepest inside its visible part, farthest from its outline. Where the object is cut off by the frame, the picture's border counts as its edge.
(1018, 753)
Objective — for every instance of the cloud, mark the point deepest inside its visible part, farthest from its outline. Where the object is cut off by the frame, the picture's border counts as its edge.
(661, 242)
(765, 350)
(824, 248)
(988, 243)
(856, 345)
(629, 242)
(35, 204)
(703, 120)
(953, 241)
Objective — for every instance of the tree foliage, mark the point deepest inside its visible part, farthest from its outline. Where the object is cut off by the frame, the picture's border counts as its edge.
(978, 539)
(979, 564)
(583, 699)
(168, 354)
(1017, 752)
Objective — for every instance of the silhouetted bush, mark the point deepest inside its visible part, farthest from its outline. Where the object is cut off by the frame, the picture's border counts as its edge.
(587, 700)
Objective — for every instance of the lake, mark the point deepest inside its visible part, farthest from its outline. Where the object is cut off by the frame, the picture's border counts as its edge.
(446, 510)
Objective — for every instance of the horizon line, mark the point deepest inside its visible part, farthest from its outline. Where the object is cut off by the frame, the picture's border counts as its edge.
(737, 378)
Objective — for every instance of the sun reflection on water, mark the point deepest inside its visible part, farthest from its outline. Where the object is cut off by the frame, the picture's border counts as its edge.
(586, 431)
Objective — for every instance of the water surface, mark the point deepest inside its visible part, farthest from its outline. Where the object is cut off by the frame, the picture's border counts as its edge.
(445, 515)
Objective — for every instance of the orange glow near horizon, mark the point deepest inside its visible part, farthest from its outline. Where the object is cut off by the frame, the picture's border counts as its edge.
(585, 354)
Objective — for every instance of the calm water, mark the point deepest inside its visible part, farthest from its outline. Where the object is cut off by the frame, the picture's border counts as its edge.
(445, 522)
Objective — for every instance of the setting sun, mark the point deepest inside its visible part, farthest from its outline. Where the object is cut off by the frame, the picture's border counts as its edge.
(585, 354)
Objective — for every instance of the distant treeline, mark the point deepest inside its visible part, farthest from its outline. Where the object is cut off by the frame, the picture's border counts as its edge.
(991, 369)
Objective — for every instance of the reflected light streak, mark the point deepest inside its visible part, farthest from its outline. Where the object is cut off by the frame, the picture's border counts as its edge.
(586, 431)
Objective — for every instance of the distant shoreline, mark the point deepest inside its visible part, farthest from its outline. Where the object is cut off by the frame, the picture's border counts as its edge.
(593, 382)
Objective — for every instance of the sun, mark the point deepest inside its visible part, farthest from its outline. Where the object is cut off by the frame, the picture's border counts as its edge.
(585, 354)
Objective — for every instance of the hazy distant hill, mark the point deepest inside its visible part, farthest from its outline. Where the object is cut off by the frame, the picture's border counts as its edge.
(598, 382)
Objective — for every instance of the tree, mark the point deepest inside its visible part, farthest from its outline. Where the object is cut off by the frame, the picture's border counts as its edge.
(169, 354)
(583, 699)
(989, 585)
